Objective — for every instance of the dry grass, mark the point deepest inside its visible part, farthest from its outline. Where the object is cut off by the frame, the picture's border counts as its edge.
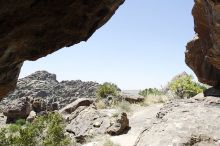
(154, 99)
(108, 142)
(100, 104)
(124, 106)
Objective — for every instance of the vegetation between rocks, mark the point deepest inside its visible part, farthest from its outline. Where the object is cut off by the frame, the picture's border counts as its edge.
(186, 87)
(44, 130)
(182, 86)
(150, 91)
(107, 89)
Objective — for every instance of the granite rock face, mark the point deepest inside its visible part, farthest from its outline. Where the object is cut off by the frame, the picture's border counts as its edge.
(46, 93)
(203, 52)
(186, 122)
(30, 29)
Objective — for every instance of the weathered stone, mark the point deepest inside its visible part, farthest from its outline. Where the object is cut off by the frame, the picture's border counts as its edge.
(131, 96)
(120, 125)
(203, 52)
(31, 29)
(73, 106)
(210, 100)
(87, 122)
(31, 116)
(97, 124)
(38, 105)
(187, 122)
(18, 109)
(46, 93)
(83, 120)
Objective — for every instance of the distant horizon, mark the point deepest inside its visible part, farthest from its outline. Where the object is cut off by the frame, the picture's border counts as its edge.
(60, 80)
(142, 46)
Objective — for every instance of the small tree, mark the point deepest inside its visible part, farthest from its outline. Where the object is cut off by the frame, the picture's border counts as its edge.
(150, 91)
(184, 86)
(107, 89)
(45, 130)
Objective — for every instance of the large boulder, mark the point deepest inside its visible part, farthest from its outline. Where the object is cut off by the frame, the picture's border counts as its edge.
(18, 109)
(86, 122)
(203, 52)
(131, 96)
(30, 29)
(120, 125)
(74, 105)
(187, 122)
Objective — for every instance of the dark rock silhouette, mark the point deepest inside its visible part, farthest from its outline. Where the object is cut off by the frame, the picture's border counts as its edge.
(31, 29)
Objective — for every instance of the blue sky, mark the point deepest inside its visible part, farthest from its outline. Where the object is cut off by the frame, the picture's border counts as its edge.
(141, 46)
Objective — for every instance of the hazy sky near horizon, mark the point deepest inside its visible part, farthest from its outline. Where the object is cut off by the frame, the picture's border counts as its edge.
(141, 46)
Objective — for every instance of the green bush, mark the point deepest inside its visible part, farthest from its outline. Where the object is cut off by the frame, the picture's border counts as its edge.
(107, 89)
(150, 91)
(20, 122)
(45, 130)
(55, 131)
(185, 87)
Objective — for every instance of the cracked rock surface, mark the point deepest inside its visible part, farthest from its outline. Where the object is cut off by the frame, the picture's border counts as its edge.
(190, 122)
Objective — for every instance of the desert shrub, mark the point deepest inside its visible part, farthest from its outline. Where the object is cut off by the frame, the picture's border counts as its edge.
(100, 104)
(124, 106)
(14, 128)
(20, 122)
(107, 89)
(150, 91)
(108, 142)
(45, 130)
(55, 131)
(184, 86)
(154, 99)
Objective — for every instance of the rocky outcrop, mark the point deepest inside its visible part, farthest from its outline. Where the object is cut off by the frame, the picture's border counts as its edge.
(188, 122)
(120, 125)
(73, 106)
(46, 93)
(18, 109)
(203, 52)
(131, 96)
(30, 29)
(87, 122)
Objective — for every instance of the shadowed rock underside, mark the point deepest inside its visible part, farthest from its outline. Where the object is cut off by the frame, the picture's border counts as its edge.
(30, 29)
(203, 52)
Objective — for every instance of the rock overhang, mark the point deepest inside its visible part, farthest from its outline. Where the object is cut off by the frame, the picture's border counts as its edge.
(203, 52)
(31, 29)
